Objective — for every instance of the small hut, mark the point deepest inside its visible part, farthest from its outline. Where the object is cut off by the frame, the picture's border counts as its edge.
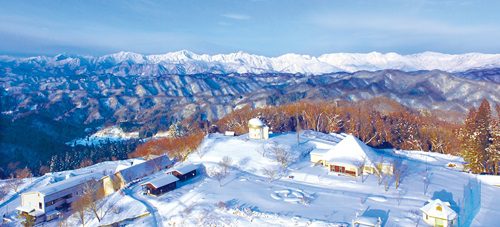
(160, 185)
(257, 129)
(439, 213)
(185, 172)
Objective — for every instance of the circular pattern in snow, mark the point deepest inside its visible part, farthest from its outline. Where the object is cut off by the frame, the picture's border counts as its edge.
(292, 196)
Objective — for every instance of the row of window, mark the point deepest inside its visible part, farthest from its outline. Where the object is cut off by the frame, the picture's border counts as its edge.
(50, 203)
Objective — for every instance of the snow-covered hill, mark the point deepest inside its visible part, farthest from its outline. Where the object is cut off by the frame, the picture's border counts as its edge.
(186, 62)
(305, 195)
(105, 135)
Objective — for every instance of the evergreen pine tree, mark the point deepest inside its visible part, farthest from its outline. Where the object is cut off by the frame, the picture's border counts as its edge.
(493, 149)
(483, 120)
(468, 143)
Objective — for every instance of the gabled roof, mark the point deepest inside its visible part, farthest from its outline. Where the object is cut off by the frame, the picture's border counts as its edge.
(146, 168)
(351, 151)
(68, 183)
(186, 168)
(162, 180)
(445, 211)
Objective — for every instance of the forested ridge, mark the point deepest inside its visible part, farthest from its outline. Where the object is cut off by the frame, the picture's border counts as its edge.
(379, 122)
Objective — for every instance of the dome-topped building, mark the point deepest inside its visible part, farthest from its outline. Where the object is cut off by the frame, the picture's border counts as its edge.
(257, 129)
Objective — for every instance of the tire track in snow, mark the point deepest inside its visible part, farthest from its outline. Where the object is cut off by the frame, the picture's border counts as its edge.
(152, 209)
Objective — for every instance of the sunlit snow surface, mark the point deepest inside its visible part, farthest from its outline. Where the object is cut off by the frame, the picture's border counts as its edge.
(186, 62)
(312, 197)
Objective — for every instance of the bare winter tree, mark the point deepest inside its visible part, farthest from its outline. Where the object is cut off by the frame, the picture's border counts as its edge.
(379, 170)
(266, 148)
(3, 192)
(93, 193)
(271, 173)
(217, 174)
(80, 207)
(14, 183)
(225, 164)
(400, 170)
(298, 129)
(426, 179)
(281, 155)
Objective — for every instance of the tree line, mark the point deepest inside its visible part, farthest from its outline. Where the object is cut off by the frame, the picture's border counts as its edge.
(379, 122)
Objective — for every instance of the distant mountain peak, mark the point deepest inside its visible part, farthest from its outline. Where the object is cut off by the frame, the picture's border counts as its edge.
(187, 62)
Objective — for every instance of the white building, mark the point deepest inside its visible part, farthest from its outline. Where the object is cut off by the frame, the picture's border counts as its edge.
(439, 213)
(51, 201)
(352, 157)
(257, 129)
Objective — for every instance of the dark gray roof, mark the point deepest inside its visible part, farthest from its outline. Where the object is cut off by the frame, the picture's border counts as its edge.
(146, 168)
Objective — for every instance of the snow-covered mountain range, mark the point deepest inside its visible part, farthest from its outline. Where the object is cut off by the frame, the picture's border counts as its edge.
(186, 62)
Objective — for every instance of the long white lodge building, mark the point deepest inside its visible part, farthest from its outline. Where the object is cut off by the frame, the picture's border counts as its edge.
(48, 203)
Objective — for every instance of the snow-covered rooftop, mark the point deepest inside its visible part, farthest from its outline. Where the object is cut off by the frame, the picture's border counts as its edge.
(186, 168)
(439, 209)
(162, 180)
(351, 151)
(146, 168)
(255, 122)
(68, 183)
(320, 151)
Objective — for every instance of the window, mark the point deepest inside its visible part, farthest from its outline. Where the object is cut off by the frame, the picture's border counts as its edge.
(40, 206)
(439, 208)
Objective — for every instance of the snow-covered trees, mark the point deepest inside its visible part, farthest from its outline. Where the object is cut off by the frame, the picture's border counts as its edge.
(479, 140)
(177, 130)
(377, 122)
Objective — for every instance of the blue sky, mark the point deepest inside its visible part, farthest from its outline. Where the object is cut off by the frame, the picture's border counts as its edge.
(266, 27)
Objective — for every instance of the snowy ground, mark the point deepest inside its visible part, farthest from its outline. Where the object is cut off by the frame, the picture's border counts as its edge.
(105, 135)
(304, 195)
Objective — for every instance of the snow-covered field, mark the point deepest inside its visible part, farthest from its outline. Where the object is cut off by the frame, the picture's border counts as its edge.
(304, 195)
(105, 135)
